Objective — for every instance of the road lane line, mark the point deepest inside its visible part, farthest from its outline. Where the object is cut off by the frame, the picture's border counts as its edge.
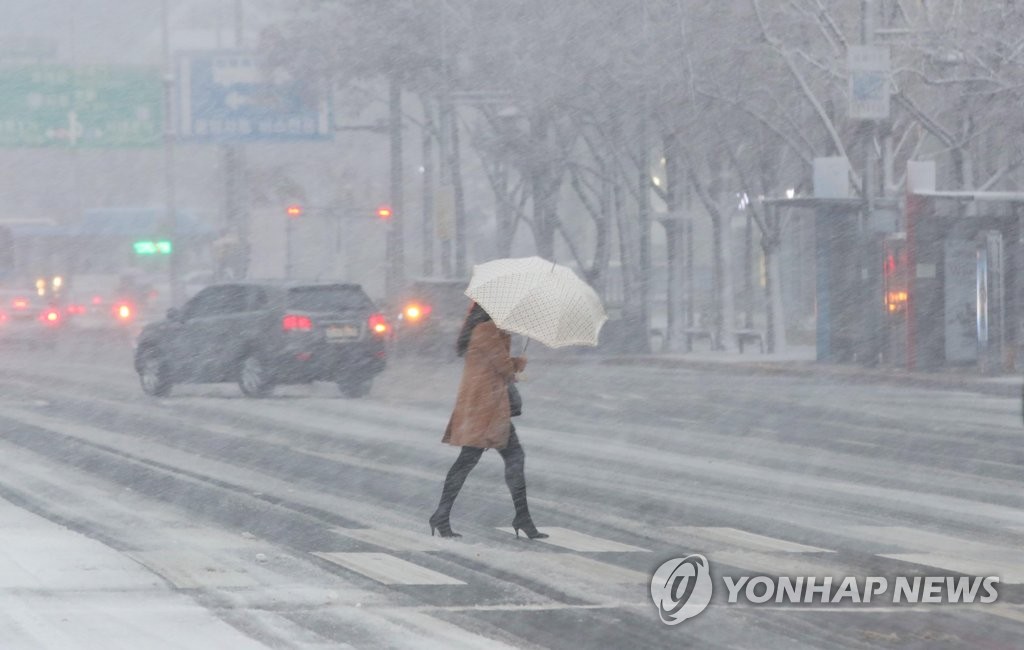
(734, 537)
(583, 543)
(388, 569)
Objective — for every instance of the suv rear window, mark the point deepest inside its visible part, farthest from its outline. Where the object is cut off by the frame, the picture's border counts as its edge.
(328, 298)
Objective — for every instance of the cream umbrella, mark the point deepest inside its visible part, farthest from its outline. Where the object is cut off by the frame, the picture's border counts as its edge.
(538, 299)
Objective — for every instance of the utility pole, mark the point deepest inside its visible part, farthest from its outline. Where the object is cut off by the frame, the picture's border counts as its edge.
(394, 245)
(235, 194)
(170, 200)
(870, 321)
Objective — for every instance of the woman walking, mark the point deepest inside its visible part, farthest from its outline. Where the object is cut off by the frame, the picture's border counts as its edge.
(482, 419)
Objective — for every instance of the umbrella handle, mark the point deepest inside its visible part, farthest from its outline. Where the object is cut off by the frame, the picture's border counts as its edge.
(525, 345)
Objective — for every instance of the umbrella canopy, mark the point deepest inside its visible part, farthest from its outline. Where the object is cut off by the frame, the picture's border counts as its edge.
(538, 299)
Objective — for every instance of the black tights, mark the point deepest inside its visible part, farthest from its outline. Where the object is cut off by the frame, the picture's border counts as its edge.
(515, 477)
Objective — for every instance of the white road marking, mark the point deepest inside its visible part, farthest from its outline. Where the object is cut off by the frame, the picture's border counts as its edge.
(962, 555)
(734, 537)
(1005, 610)
(781, 564)
(568, 570)
(913, 539)
(388, 569)
(189, 570)
(583, 543)
(24, 402)
(394, 539)
(1009, 570)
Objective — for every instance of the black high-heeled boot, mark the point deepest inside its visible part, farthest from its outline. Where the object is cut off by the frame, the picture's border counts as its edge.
(460, 469)
(525, 524)
(442, 525)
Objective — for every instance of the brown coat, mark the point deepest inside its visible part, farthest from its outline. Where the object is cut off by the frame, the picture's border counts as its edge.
(481, 415)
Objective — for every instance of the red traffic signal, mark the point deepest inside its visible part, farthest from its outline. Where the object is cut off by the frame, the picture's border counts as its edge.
(384, 212)
(294, 211)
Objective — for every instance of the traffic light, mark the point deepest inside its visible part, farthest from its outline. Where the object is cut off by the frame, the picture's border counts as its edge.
(294, 211)
(162, 247)
(384, 212)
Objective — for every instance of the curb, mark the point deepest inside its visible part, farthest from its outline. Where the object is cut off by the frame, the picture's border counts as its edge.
(809, 369)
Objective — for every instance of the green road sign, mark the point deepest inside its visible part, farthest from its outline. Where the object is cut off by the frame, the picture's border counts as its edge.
(98, 106)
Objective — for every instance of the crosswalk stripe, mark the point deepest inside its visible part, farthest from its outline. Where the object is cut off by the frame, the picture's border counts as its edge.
(575, 574)
(388, 569)
(1009, 571)
(1007, 611)
(583, 543)
(734, 537)
(913, 539)
(394, 539)
(781, 564)
(192, 570)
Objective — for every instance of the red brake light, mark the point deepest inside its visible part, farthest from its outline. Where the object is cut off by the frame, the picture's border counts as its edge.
(379, 325)
(97, 300)
(3, 316)
(292, 322)
(19, 303)
(51, 316)
(123, 311)
(76, 309)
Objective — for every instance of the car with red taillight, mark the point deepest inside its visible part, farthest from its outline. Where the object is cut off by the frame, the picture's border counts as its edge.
(27, 319)
(264, 334)
(429, 315)
(98, 306)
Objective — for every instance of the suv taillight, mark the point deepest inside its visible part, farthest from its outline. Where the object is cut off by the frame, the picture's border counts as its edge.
(123, 311)
(379, 325)
(294, 323)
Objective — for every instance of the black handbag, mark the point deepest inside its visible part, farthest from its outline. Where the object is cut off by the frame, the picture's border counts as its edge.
(515, 400)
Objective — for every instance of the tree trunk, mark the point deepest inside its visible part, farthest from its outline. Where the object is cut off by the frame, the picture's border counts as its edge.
(675, 340)
(771, 241)
(455, 160)
(776, 328)
(504, 214)
(427, 215)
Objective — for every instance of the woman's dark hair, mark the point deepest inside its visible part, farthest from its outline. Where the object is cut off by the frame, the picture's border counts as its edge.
(475, 316)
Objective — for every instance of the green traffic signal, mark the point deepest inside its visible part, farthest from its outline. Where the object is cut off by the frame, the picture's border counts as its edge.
(162, 247)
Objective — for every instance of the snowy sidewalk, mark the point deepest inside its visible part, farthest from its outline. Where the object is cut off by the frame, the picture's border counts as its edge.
(799, 361)
(62, 590)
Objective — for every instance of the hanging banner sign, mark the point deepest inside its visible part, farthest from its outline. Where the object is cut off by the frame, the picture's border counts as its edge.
(869, 72)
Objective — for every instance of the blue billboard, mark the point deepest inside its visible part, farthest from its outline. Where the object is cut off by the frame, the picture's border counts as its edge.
(227, 96)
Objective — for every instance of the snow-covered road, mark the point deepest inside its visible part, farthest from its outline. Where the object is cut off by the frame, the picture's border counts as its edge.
(301, 520)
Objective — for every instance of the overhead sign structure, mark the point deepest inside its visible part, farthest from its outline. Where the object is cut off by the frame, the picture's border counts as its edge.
(869, 71)
(228, 96)
(52, 105)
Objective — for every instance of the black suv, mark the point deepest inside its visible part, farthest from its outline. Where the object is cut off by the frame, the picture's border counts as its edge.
(265, 334)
